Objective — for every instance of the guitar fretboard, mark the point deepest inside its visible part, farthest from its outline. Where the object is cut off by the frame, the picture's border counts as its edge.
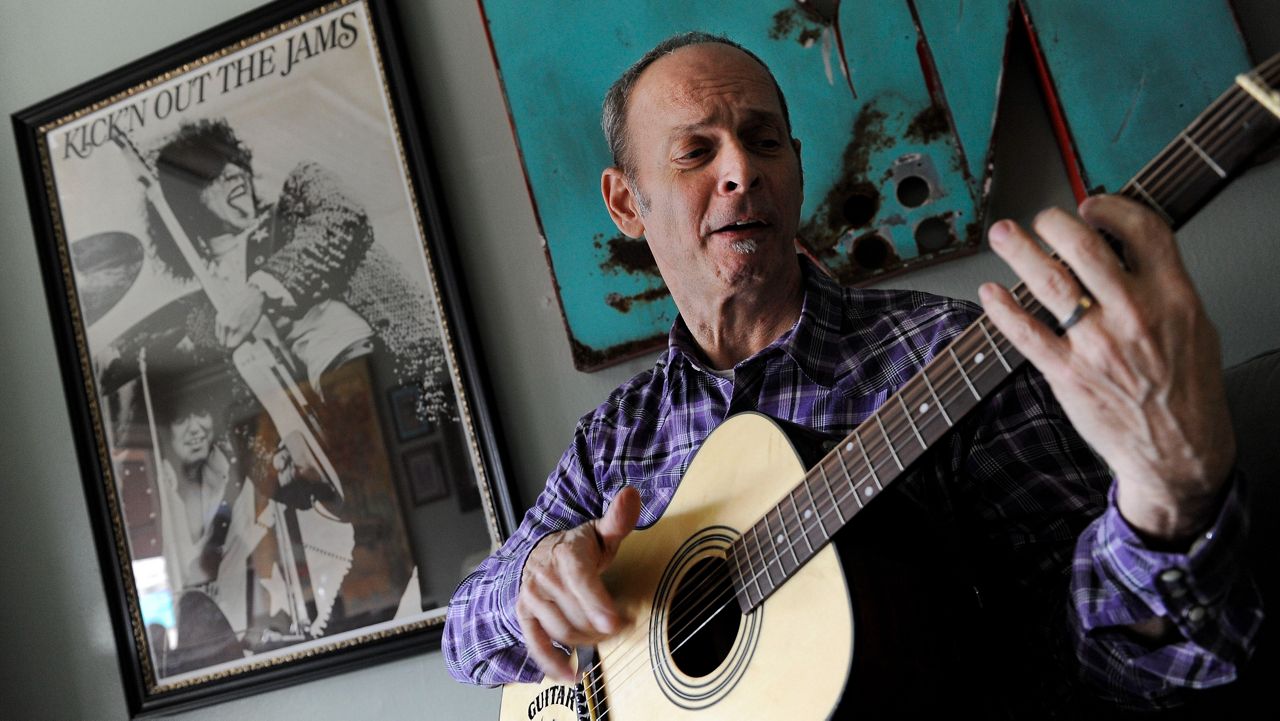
(1184, 176)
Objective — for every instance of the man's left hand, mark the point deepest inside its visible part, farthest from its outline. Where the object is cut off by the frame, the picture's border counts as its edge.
(1140, 374)
(238, 319)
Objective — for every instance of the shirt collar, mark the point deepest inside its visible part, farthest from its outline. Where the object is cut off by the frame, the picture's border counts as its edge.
(810, 343)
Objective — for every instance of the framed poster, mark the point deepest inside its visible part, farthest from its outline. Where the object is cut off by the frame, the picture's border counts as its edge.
(245, 255)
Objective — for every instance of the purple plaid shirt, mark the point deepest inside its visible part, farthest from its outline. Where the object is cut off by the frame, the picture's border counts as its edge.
(1015, 469)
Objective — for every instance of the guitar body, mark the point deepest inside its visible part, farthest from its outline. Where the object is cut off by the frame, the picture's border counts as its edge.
(789, 658)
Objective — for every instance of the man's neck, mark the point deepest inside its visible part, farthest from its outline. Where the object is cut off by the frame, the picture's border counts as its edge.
(731, 328)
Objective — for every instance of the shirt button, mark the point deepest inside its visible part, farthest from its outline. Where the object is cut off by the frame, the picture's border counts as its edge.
(1196, 614)
(1173, 575)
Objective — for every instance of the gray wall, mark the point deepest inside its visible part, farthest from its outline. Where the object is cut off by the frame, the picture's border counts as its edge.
(59, 659)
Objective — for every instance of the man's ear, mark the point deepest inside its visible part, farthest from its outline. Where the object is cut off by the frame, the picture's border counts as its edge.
(621, 202)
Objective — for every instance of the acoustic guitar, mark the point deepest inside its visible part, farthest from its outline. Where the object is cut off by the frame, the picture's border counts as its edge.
(737, 586)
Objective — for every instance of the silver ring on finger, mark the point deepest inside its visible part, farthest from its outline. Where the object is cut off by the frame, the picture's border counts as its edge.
(1083, 304)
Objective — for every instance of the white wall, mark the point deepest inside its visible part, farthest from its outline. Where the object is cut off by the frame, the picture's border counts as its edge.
(59, 660)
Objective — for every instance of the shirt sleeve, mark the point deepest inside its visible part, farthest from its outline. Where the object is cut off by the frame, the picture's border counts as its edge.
(1205, 593)
(483, 643)
(326, 235)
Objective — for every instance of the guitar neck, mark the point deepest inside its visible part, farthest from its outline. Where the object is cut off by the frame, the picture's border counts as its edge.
(1184, 176)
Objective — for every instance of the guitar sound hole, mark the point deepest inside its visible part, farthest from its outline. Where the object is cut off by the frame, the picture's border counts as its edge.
(704, 619)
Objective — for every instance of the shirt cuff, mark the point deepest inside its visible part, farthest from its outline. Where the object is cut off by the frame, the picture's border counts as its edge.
(511, 588)
(1189, 588)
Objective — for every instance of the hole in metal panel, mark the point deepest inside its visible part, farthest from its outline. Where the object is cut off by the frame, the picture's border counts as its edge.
(933, 234)
(861, 205)
(913, 191)
(871, 251)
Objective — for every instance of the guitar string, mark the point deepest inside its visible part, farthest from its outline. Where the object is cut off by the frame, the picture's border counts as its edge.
(781, 514)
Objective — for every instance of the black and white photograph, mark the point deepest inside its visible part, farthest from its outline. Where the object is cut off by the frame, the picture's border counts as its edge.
(254, 294)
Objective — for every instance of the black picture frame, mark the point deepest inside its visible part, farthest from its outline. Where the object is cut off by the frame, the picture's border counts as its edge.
(131, 365)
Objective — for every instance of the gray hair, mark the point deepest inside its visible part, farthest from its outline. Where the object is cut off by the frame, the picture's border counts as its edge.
(613, 119)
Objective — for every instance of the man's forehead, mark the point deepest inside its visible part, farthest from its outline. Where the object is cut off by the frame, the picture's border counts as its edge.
(684, 81)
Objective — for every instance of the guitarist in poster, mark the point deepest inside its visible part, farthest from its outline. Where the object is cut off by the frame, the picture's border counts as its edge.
(1091, 503)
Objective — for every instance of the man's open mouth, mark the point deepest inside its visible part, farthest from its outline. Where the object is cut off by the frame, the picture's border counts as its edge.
(742, 225)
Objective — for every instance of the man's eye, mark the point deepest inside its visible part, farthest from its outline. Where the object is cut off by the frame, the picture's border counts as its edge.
(768, 143)
(694, 154)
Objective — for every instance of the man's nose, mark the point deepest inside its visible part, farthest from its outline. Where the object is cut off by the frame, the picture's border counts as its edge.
(738, 171)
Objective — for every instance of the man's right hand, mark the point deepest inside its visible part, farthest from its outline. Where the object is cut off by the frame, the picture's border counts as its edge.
(561, 595)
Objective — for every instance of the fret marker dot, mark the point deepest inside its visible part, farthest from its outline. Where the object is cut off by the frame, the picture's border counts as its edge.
(979, 358)
(869, 490)
(779, 539)
(924, 408)
(848, 446)
(808, 514)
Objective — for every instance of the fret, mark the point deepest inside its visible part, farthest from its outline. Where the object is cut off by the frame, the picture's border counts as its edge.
(826, 535)
(834, 502)
(888, 442)
(800, 520)
(1151, 201)
(853, 485)
(737, 564)
(764, 560)
(1203, 155)
(911, 423)
(963, 375)
(780, 538)
(867, 459)
(755, 577)
(936, 400)
(994, 347)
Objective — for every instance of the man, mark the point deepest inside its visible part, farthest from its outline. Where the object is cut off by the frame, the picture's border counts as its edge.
(206, 513)
(707, 172)
(202, 492)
